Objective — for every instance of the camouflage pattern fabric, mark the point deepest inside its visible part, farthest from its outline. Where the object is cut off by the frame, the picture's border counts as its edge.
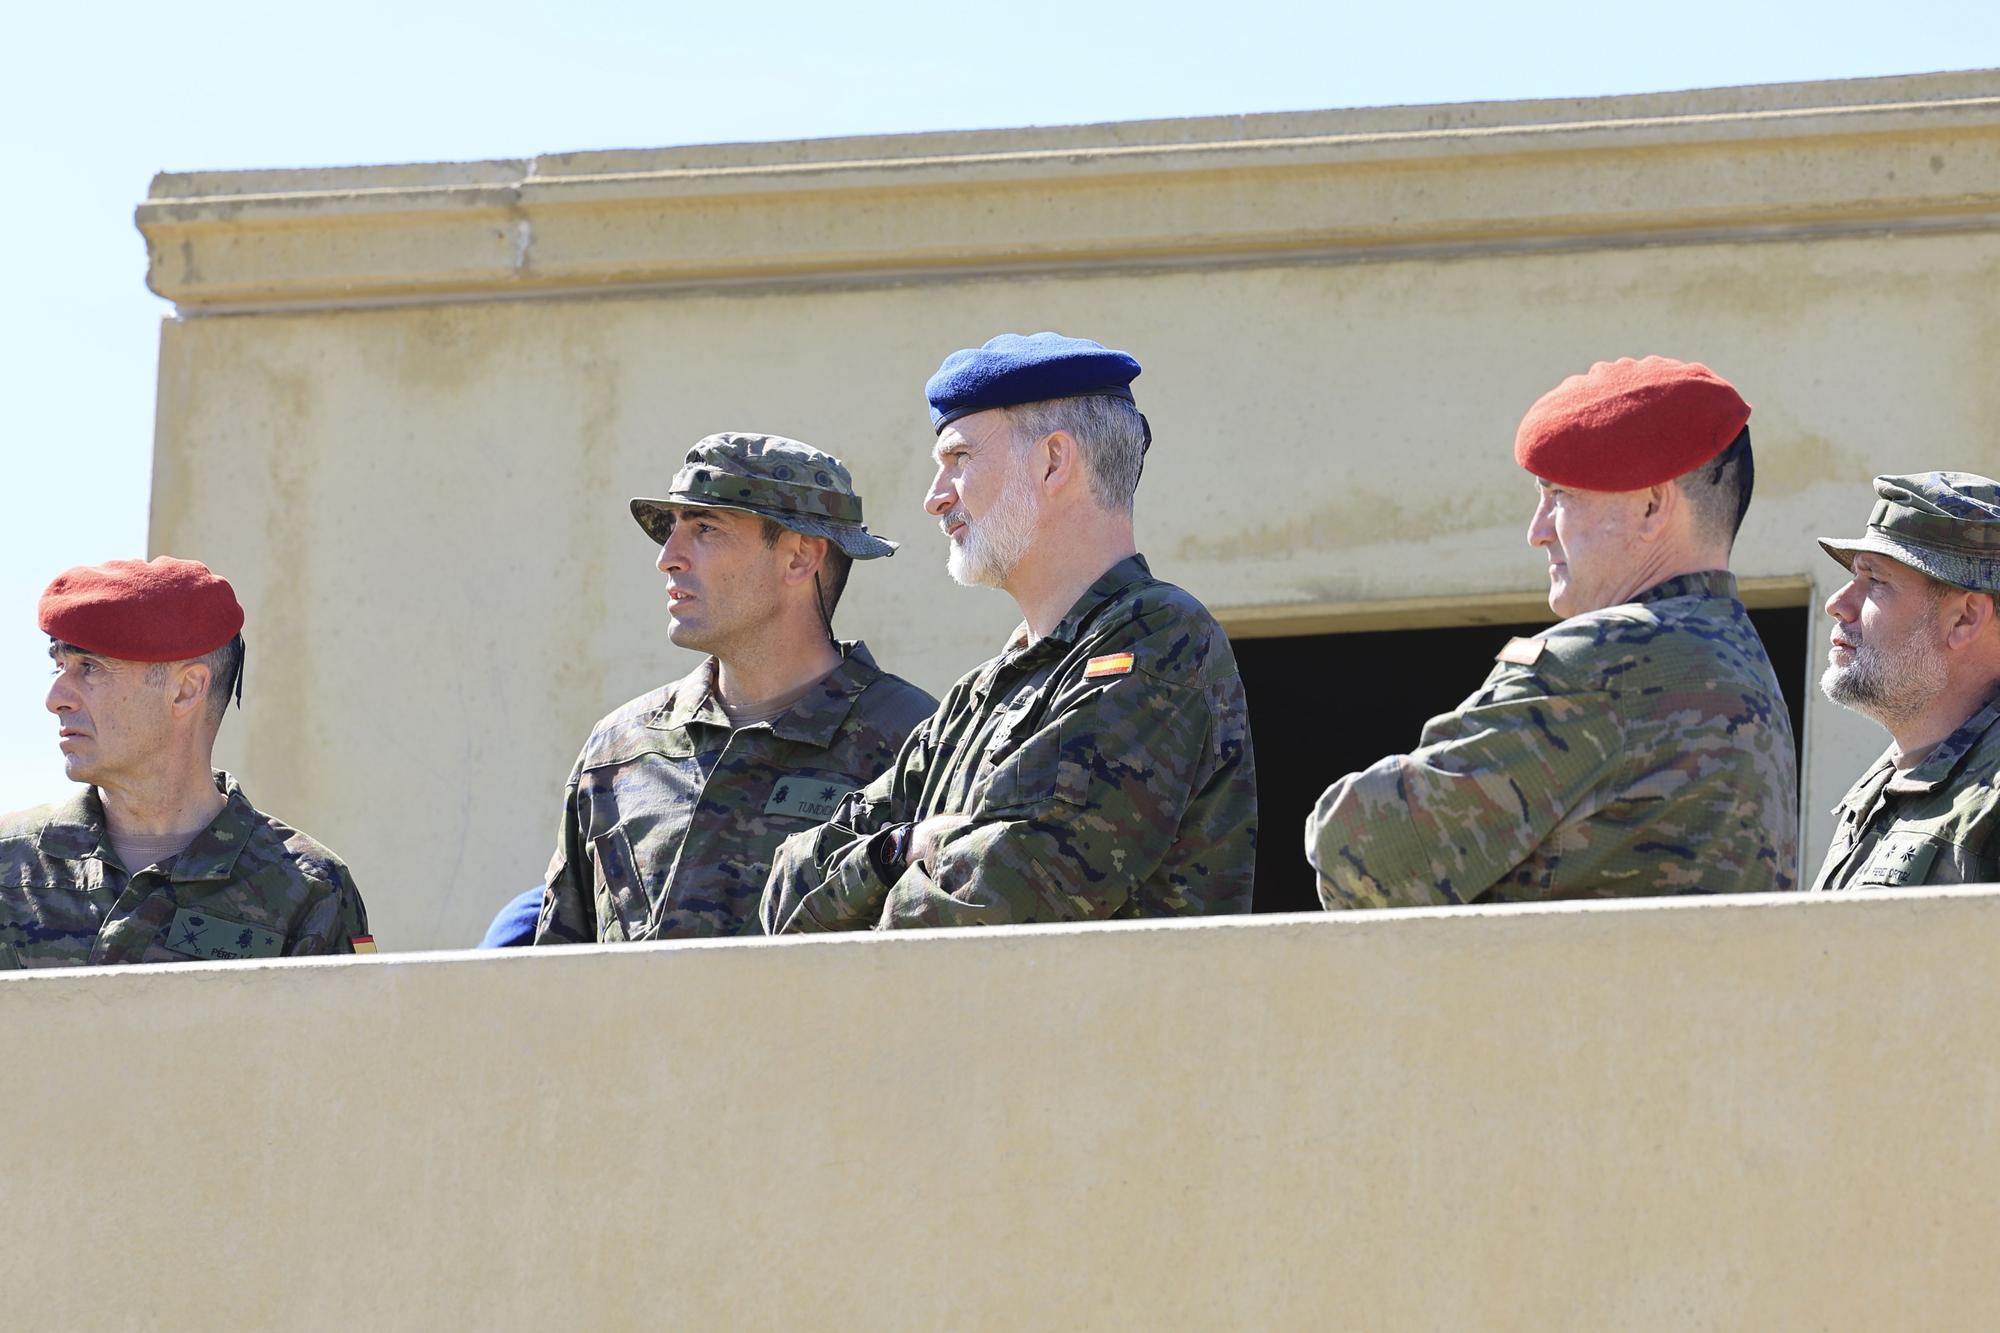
(1641, 749)
(248, 886)
(1106, 770)
(781, 479)
(1939, 823)
(671, 816)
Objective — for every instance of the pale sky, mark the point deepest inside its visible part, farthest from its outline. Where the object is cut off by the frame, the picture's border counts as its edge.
(96, 98)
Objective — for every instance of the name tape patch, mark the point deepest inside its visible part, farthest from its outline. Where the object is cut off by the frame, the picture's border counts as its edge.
(1520, 652)
(1111, 664)
(806, 796)
(199, 935)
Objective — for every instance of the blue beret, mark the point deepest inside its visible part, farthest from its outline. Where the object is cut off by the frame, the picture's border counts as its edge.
(1011, 369)
(515, 926)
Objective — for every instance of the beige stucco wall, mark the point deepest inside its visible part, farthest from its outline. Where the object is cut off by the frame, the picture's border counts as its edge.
(1716, 1114)
(402, 408)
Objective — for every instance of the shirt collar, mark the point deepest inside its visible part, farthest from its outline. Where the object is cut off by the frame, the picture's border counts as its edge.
(1940, 764)
(1108, 585)
(815, 718)
(76, 830)
(1701, 583)
(213, 853)
(692, 699)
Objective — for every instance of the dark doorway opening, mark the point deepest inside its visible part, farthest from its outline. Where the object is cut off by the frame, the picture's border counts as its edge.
(1323, 705)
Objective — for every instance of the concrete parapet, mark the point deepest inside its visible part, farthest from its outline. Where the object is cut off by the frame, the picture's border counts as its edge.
(1741, 1113)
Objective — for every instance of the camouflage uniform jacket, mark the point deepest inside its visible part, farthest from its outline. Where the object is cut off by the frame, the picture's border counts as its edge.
(1106, 770)
(246, 887)
(1939, 823)
(1640, 749)
(671, 815)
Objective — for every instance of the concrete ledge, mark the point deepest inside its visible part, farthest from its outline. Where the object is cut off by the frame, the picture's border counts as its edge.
(1771, 1112)
(1883, 155)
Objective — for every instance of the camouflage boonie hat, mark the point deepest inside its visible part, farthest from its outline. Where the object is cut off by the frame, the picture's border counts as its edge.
(1945, 524)
(771, 476)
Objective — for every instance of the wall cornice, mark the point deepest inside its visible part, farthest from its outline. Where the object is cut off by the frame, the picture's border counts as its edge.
(1866, 156)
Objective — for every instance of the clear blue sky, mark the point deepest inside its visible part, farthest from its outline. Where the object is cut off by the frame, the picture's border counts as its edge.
(96, 98)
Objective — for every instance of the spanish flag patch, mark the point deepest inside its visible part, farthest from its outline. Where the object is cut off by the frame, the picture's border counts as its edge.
(362, 943)
(1111, 664)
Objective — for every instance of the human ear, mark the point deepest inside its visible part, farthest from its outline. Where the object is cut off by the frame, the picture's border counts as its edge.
(190, 687)
(1974, 618)
(808, 556)
(1661, 501)
(1062, 460)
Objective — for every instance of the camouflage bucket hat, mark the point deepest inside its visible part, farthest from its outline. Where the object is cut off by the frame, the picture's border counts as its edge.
(1946, 524)
(771, 476)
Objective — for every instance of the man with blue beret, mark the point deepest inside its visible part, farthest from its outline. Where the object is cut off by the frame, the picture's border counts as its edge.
(680, 796)
(1100, 767)
(1916, 647)
(1642, 745)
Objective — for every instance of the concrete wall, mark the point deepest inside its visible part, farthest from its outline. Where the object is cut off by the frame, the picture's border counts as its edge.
(403, 407)
(1730, 1113)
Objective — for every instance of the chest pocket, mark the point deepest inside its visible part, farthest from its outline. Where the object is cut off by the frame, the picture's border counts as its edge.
(1052, 765)
(1899, 860)
(621, 894)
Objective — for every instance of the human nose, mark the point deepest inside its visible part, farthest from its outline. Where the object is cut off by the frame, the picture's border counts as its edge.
(673, 553)
(942, 497)
(60, 698)
(1843, 605)
(1542, 527)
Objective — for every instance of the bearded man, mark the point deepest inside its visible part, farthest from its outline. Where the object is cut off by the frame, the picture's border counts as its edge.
(1916, 646)
(1100, 767)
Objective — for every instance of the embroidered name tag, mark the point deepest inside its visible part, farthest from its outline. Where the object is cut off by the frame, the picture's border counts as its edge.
(1520, 652)
(1111, 664)
(199, 935)
(1902, 858)
(804, 796)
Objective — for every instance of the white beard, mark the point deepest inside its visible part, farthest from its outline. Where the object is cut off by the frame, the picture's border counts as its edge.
(990, 548)
(1890, 683)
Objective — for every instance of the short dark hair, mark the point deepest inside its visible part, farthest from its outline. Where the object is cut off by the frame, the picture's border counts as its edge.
(1719, 490)
(225, 668)
(838, 565)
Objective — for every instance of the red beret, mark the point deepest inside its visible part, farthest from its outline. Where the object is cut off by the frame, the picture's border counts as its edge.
(164, 610)
(1630, 424)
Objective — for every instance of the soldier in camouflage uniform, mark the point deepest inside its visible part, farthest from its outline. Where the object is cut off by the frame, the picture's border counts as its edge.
(160, 858)
(680, 796)
(1641, 746)
(1916, 647)
(1100, 766)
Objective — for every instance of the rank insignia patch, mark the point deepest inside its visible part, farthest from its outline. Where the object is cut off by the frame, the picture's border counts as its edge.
(199, 935)
(1111, 664)
(806, 796)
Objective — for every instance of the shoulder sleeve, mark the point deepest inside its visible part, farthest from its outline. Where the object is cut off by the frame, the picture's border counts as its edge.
(569, 904)
(334, 919)
(1486, 784)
